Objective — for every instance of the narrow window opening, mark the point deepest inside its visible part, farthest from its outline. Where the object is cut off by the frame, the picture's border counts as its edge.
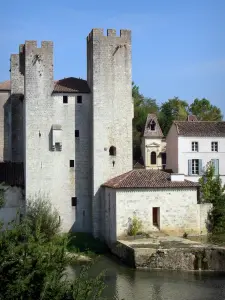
(71, 163)
(214, 146)
(77, 133)
(74, 201)
(112, 151)
(153, 158)
(79, 99)
(194, 146)
(156, 216)
(195, 167)
(152, 125)
(65, 99)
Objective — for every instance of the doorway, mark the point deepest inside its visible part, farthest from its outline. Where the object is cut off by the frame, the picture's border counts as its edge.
(156, 216)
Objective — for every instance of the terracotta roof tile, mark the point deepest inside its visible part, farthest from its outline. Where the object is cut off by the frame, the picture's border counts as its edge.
(200, 128)
(147, 179)
(66, 85)
(5, 85)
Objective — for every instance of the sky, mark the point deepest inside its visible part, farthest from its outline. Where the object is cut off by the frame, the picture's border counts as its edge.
(178, 46)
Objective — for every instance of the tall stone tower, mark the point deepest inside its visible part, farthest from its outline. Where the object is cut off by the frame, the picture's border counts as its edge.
(109, 76)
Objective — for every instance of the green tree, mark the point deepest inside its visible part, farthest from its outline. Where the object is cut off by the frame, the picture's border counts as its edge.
(205, 111)
(33, 263)
(173, 109)
(212, 191)
(142, 107)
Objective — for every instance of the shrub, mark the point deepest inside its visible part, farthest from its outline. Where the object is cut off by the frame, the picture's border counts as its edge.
(135, 226)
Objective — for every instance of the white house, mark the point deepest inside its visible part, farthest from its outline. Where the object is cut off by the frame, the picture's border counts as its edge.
(153, 146)
(191, 145)
(162, 201)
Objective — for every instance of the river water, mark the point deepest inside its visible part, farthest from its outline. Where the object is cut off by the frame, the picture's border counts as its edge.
(125, 283)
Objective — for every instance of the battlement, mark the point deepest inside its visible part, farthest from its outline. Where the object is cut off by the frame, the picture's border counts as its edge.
(32, 46)
(99, 32)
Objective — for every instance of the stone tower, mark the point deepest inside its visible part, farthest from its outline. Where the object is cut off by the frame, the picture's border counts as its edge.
(49, 127)
(109, 75)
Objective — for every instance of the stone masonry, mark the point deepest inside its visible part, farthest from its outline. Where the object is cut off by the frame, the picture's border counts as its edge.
(110, 79)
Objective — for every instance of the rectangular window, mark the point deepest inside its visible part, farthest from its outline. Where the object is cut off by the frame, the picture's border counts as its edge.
(194, 146)
(71, 163)
(195, 167)
(215, 163)
(214, 146)
(74, 201)
(79, 99)
(77, 134)
(65, 99)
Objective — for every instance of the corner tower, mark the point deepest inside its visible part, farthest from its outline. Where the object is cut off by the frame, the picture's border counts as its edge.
(109, 75)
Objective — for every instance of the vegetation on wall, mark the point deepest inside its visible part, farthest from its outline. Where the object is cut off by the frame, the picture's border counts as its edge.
(167, 112)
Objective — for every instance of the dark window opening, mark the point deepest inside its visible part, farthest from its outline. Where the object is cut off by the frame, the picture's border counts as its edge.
(152, 125)
(79, 99)
(156, 216)
(71, 163)
(112, 151)
(77, 134)
(65, 99)
(74, 201)
(153, 158)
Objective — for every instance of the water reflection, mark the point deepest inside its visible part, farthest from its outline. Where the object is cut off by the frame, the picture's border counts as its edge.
(124, 283)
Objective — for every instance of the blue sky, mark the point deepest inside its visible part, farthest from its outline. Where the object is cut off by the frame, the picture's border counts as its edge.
(178, 46)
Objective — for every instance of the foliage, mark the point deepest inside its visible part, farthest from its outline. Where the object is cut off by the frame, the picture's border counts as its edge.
(173, 109)
(135, 226)
(205, 111)
(212, 191)
(33, 263)
(142, 107)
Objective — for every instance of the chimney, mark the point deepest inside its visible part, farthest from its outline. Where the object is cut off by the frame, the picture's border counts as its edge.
(176, 177)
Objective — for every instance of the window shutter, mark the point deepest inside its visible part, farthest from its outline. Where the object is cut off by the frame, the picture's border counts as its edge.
(200, 167)
(189, 167)
(215, 163)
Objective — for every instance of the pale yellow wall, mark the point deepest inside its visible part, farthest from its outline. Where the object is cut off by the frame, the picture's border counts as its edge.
(149, 145)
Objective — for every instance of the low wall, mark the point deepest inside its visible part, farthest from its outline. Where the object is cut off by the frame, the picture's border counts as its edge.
(14, 204)
(209, 258)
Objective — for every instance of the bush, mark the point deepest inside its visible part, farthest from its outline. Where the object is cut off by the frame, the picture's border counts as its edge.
(33, 260)
(135, 226)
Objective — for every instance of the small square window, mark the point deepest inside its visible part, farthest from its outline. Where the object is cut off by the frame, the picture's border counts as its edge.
(194, 146)
(71, 163)
(214, 146)
(74, 201)
(65, 99)
(77, 134)
(79, 99)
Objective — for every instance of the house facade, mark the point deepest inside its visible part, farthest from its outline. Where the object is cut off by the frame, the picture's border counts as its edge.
(161, 201)
(192, 144)
(153, 145)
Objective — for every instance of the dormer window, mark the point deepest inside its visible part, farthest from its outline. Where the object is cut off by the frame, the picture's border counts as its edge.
(152, 125)
(112, 151)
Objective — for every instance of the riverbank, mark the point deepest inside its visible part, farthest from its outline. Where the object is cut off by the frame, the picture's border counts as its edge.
(170, 253)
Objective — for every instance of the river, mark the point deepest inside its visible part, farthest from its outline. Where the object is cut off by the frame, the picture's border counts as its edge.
(128, 284)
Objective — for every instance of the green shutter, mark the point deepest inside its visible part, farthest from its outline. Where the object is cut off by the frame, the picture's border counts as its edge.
(215, 163)
(200, 170)
(189, 167)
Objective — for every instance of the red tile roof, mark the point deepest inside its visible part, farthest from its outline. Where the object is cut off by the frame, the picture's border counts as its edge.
(66, 85)
(138, 178)
(200, 128)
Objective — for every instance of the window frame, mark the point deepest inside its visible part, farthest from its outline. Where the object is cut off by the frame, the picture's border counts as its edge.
(214, 146)
(193, 146)
(193, 166)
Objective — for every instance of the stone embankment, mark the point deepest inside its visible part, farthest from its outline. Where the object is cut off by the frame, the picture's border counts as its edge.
(170, 253)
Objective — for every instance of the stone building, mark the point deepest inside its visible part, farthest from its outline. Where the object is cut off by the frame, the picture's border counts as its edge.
(68, 132)
(153, 145)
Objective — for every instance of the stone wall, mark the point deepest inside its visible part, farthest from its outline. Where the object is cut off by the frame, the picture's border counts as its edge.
(110, 80)
(4, 126)
(14, 204)
(179, 211)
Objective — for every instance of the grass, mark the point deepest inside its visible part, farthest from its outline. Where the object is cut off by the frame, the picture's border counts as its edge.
(87, 244)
